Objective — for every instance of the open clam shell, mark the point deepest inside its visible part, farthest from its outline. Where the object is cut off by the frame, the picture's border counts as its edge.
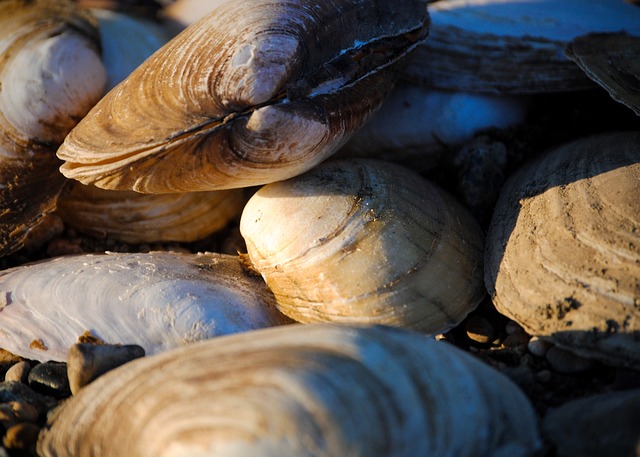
(50, 75)
(158, 300)
(302, 391)
(613, 61)
(255, 92)
(146, 218)
(563, 248)
(512, 46)
(365, 241)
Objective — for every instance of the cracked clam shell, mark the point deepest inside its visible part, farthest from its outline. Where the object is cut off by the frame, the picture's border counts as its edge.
(563, 248)
(255, 92)
(50, 76)
(368, 242)
(146, 218)
(512, 46)
(299, 390)
(158, 300)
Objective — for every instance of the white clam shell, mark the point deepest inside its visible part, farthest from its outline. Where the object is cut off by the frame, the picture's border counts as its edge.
(366, 241)
(513, 46)
(299, 391)
(416, 126)
(158, 300)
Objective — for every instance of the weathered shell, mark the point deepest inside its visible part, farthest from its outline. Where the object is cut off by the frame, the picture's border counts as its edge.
(365, 241)
(158, 300)
(605, 424)
(143, 218)
(563, 248)
(512, 46)
(255, 92)
(613, 61)
(127, 41)
(416, 126)
(299, 391)
(50, 76)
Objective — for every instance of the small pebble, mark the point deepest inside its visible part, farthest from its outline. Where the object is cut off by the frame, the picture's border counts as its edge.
(24, 411)
(543, 376)
(567, 362)
(516, 339)
(16, 391)
(479, 329)
(18, 372)
(538, 347)
(86, 362)
(22, 436)
(513, 327)
(50, 378)
(7, 416)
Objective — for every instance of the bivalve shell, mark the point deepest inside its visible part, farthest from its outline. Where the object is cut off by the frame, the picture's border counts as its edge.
(299, 391)
(563, 248)
(512, 46)
(365, 241)
(50, 76)
(255, 92)
(146, 218)
(157, 300)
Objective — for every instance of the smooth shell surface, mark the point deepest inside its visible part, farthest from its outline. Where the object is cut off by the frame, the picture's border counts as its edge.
(417, 126)
(613, 61)
(512, 46)
(255, 92)
(299, 391)
(145, 218)
(365, 241)
(50, 76)
(158, 300)
(563, 249)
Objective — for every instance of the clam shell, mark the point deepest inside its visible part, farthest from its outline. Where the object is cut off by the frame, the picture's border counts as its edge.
(255, 92)
(613, 61)
(563, 248)
(127, 41)
(365, 241)
(512, 46)
(144, 218)
(158, 301)
(417, 126)
(50, 75)
(300, 391)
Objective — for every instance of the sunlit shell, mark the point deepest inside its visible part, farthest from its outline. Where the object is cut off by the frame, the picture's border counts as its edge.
(158, 300)
(50, 76)
(143, 218)
(299, 391)
(255, 92)
(563, 249)
(365, 241)
(512, 46)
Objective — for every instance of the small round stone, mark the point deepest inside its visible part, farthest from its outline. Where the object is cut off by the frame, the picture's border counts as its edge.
(18, 372)
(50, 378)
(567, 362)
(516, 339)
(24, 411)
(7, 416)
(513, 327)
(479, 329)
(538, 347)
(22, 436)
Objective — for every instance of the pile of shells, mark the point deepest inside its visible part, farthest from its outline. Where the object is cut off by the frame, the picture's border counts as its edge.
(299, 228)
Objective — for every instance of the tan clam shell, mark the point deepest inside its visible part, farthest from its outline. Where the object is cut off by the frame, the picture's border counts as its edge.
(512, 46)
(50, 75)
(299, 391)
(145, 218)
(158, 300)
(255, 92)
(365, 241)
(563, 248)
(613, 61)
